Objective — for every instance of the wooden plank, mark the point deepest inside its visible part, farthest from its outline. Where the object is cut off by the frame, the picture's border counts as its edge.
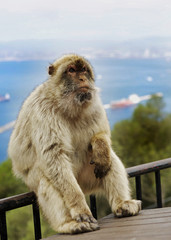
(149, 224)
(141, 217)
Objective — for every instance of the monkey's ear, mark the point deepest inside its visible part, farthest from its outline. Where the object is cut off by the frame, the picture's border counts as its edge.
(51, 70)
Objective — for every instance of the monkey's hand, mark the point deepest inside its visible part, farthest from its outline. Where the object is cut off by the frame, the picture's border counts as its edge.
(99, 150)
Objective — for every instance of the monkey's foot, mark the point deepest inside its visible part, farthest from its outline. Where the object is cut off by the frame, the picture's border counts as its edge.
(85, 218)
(74, 227)
(128, 208)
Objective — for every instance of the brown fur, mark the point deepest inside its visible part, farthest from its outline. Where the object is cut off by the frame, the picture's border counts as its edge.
(61, 129)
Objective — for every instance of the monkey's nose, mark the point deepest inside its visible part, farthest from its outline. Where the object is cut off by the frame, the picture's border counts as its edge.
(81, 79)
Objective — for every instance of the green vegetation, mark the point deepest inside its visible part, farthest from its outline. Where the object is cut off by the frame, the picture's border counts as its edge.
(144, 138)
(10, 185)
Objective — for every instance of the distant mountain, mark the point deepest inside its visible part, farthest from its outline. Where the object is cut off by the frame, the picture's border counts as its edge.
(154, 47)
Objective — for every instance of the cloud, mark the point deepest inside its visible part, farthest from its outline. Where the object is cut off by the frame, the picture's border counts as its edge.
(100, 6)
(80, 6)
(90, 19)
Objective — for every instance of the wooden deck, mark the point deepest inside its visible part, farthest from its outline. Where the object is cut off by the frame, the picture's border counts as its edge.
(149, 224)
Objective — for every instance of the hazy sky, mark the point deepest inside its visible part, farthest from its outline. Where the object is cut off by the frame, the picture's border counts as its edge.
(87, 19)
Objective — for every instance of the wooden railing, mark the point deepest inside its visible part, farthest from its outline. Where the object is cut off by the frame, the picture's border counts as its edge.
(136, 172)
(25, 199)
(155, 167)
(18, 201)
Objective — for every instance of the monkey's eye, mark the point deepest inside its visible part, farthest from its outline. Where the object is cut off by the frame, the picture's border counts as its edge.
(84, 69)
(71, 70)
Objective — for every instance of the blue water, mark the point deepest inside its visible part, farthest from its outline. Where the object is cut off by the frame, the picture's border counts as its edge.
(119, 79)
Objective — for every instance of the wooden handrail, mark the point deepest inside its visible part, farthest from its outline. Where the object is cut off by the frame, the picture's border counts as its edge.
(149, 167)
(17, 201)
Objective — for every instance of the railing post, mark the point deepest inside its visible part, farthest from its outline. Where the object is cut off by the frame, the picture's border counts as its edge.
(93, 206)
(138, 187)
(36, 217)
(3, 226)
(158, 189)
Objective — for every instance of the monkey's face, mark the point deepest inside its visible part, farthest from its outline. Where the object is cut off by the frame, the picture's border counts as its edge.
(72, 81)
(78, 82)
(74, 76)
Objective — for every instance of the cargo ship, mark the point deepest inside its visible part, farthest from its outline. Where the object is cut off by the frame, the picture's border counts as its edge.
(133, 99)
(5, 98)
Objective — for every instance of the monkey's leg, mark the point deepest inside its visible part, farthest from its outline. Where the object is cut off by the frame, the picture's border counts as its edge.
(57, 213)
(116, 187)
(99, 150)
(57, 169)
(56, 166)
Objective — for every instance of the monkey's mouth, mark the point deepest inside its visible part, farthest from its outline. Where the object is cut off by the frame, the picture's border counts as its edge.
(84, 89)
(84, 93)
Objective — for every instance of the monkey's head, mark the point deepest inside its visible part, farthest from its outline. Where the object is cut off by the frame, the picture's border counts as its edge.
(74, 79)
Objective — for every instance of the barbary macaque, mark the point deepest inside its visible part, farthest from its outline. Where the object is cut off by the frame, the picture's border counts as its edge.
(61, 148)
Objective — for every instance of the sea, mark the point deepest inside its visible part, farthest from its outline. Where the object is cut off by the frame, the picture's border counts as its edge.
(115, 78)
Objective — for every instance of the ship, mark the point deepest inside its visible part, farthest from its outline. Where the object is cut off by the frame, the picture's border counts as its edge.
(5, 98)
(133, 99)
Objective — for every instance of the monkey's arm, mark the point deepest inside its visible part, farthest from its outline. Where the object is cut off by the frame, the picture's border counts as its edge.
(100, 154)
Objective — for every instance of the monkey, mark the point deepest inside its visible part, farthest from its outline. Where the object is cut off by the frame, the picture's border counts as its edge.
(61, 148)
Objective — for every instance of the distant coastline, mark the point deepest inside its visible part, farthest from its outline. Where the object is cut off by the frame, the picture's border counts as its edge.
(7, 127)
(48, 49)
